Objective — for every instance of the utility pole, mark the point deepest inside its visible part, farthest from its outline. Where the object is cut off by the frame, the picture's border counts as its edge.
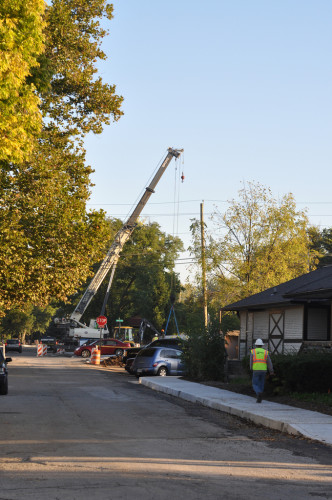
(203, 267)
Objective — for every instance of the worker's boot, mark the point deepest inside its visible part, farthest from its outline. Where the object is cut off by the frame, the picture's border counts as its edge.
(259, 397)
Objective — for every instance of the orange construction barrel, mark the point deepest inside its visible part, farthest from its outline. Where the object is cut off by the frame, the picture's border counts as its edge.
(95, 356)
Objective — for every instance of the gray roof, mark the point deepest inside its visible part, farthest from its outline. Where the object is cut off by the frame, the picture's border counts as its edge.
(311, 286)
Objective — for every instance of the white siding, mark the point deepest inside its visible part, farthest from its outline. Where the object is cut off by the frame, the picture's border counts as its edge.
(243, 351)
(243, 325)
(261, 325)
(294, 323)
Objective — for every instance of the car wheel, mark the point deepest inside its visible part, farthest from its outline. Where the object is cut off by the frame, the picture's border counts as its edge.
(119, 352)
(4, 388)
(162, 372)
(86, 353)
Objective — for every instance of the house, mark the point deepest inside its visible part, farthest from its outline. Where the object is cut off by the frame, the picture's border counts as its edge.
(289, 316)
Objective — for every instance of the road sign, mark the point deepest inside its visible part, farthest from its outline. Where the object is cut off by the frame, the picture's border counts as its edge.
(119, 320)
(101, 321)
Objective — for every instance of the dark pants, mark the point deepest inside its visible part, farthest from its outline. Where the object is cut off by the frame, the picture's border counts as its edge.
(258, 381)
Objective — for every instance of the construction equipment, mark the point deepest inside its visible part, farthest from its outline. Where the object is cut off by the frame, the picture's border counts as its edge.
(145, 323)
(77, 329)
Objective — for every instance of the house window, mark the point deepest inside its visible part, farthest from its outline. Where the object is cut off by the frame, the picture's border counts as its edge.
(317, 323)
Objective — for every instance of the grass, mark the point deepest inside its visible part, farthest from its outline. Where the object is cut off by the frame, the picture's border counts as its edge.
(240, 380)
(313, 397)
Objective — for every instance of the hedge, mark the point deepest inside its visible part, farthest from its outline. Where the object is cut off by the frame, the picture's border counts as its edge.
(307, 372)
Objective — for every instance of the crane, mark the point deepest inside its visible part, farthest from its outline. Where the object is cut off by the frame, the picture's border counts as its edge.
(121, 238)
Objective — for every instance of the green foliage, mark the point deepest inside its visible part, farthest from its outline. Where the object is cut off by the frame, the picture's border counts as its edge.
(309, 372)
(229, 322)
(19, 323)
(204, 353)
(143, 280)
(313, 397)
(21, 41)
(48, 240)
(264, 243)
(321, 245)
(77, 100)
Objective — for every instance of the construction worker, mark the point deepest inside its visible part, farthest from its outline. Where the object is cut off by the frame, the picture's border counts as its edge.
(260, 362)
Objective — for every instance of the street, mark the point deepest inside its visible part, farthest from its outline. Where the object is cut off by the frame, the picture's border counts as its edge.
(74, 431)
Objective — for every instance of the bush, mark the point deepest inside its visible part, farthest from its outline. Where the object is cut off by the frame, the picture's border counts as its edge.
(303, 373)
(204, 354)
(307, 372)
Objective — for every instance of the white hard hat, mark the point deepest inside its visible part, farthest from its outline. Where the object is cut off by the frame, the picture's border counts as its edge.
(259, 342)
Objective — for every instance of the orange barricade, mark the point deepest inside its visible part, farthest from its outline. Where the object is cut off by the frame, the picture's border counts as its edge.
(95, 356)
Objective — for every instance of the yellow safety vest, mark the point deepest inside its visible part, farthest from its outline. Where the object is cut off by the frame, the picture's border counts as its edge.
(259, 359)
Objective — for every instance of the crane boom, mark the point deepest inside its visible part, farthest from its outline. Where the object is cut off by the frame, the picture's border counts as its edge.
(121, 238)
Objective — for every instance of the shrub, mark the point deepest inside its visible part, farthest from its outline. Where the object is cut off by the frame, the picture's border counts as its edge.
(307, 372)
(303, 373)
(204, 353)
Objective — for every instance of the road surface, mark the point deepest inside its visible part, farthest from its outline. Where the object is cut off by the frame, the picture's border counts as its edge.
(72, 431)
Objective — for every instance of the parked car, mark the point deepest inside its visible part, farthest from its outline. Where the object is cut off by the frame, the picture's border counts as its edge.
(129, 365)
(13, 345)
(171, 341)
(106, 346)
(160, 361)
(3, 374)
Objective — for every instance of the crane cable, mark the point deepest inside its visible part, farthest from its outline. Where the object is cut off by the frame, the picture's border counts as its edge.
(176, 203)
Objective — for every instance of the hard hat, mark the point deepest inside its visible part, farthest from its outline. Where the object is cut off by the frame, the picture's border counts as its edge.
(259, 342)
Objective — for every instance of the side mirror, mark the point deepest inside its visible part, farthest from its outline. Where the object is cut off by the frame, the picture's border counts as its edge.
(8, 360)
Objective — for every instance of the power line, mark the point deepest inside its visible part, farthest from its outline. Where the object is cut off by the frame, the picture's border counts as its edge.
(198, 201)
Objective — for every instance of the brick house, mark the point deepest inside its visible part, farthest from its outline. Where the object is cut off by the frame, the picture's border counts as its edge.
(288, 316)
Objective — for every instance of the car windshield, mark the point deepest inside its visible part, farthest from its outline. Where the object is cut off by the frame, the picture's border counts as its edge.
(147, 353)
(89, 342)
(13, 341)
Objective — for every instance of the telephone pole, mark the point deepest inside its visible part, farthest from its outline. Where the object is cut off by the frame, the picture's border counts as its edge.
(203, 267)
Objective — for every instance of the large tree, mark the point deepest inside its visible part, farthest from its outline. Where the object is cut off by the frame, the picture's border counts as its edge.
(48, 239)
(263, 242)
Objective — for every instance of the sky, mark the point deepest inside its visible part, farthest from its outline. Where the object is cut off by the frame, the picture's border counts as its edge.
(243, 86)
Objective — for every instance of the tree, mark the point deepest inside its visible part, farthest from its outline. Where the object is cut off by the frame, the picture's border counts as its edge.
(49, 241)
(264, 242)
(321, 245)
(21, 42)
(18, 323)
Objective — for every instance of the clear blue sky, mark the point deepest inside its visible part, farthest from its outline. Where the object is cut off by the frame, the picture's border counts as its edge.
(244, 86)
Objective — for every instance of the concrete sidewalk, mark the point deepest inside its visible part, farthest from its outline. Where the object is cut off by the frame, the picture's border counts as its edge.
(283, 418)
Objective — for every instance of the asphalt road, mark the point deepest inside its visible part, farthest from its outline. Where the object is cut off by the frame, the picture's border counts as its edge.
(74, 431)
